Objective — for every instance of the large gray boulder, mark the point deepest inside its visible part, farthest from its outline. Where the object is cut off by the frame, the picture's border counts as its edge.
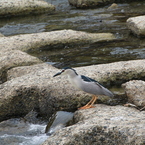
(27, 42)
(23, 70)
(137, 25)
(103, 125)
(24, 7)
(36, 88)
(135, 91)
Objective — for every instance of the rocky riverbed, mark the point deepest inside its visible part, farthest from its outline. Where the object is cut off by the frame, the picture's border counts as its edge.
(27, 83)
(103, 125)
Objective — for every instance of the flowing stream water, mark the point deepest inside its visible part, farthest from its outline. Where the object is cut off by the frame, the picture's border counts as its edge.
(17, 132)
(95, 20)
(20, 131)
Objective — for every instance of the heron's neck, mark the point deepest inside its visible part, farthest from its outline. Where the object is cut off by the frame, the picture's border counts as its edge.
(73, 79)
(72, 74)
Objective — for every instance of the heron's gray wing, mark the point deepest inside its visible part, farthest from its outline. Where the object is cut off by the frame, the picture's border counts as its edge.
(87, 79)
(102, 90)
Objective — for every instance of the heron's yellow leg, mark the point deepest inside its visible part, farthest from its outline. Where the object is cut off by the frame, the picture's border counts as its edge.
(90, 103)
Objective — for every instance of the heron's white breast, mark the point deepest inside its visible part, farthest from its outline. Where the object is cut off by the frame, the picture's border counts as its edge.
(75, 81)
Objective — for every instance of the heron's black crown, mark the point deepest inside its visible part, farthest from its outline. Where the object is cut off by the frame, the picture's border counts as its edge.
(66, 68)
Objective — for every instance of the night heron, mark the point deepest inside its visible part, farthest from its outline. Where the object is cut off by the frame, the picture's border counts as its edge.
(85, 84)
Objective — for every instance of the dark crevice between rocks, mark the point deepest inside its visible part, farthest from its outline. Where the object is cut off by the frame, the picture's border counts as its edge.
(3, 76)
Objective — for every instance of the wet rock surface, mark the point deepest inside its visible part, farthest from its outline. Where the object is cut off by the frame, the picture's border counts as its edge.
(135, 91)
(55, 38)
(25, 7)
(103, 125)
(137, 25)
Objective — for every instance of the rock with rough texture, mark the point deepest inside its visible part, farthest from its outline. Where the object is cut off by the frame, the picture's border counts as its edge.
(135, 91)
(137, 25)
(36, 88)
(27, 42)
(23, 70)
(24, 7)
(14, 58)
(88, 3)
(115, 73)
(103, 125)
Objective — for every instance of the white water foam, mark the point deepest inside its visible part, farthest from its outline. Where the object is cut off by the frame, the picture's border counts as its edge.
(35, 140)
(35, 135)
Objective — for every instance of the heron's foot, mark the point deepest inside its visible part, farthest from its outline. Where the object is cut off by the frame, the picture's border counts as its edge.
(86, 107)
(90, 103)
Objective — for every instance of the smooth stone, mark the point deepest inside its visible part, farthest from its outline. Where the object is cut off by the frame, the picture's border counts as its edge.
(24, 7)
(137, 25)
(34, 41)
(135, 90)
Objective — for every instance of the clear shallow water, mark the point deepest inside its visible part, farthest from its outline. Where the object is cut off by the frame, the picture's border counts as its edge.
(95, 21)
(93, 54)
(23, 140)
(17, 132)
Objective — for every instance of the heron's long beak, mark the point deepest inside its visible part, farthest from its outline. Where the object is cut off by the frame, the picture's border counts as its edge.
(59, 73)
